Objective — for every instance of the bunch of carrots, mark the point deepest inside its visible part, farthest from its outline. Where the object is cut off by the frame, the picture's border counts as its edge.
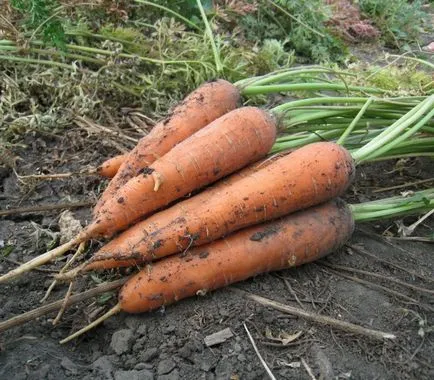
(250, 212)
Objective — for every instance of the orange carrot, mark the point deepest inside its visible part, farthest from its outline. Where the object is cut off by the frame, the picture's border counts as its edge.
(294, 240)
(236, 139)
(297, 239)
(202, 106)
(110, 167)
(226, 145)
(311, 175)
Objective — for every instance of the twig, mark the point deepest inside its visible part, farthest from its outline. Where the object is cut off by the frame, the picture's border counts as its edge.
(380, 287)
(91, 171)
(60, 206)
(97, 127)
(51, 307)
(366, 253)
(345, 326)
(376, 275)
(64, 303)
(407, 231)
(414, 238)
(263, 362)
(404, 185)
(288, 285)
(308, 369)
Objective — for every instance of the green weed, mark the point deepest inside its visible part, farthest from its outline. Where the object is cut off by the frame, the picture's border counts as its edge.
(400, 21)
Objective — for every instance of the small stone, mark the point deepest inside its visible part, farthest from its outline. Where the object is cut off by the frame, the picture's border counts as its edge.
(134, 375)
(165, 366)
(223, 370)
(103, 366)
(139, 344)
(68, 365)
(208, 363)
(174, 375)
(141, 330)
(185, 352)
(149, 354)
(169, 329)
(140, 366)
(241, 357)
(237, 347)
(132, 322)
(121, 341)
(40, 373)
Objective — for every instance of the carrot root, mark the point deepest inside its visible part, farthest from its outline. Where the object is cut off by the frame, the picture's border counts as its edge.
(70, 275)
(116, 309)
(294, 240)
(40, 260)
(79, 251)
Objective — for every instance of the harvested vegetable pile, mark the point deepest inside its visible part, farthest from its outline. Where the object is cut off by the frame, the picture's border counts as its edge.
(272, 213)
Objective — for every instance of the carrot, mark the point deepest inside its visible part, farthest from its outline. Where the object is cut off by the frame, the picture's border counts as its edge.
(297, 239)
(110, 167)
(204, 105)
(102, 260)
(229, 143)
(311, 175)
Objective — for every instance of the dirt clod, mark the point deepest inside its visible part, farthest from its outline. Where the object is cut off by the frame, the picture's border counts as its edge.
(122, 341)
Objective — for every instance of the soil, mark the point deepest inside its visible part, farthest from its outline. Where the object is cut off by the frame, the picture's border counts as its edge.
(169, 343)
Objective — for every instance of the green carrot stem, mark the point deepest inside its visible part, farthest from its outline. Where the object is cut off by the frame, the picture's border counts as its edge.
(268, 89)
(216, 53)
(350, 128)
(390, 145)
(386, 137)
(36, 61)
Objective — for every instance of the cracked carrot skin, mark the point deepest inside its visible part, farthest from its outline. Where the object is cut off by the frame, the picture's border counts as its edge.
(110, 167)
(204, 105)
(311, 175)
(296, 239)
(236, 139)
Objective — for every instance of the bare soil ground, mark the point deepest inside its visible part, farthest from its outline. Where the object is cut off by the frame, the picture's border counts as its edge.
(169, 343)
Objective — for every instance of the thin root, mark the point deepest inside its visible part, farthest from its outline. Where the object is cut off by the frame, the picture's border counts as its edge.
(79, 251)
(158, 180)
(40, 260)
(116, 309)
(73, 273)
(65, 302)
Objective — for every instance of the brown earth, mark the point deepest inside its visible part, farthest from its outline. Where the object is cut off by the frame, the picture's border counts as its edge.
(169, 343)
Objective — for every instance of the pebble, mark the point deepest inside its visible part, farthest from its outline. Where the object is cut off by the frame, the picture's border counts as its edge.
(169, 329)
(103, 366)
(140, 366)
(237, 347)
(134, 375)
(149, 354)
(69, 366)
(165, 366)
(121, 341)
(41, 373)
(141, 330)
(223, 370)
(206, 364)
(174, 375)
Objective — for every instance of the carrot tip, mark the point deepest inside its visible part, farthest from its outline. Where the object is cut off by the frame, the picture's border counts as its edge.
(116, 309)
